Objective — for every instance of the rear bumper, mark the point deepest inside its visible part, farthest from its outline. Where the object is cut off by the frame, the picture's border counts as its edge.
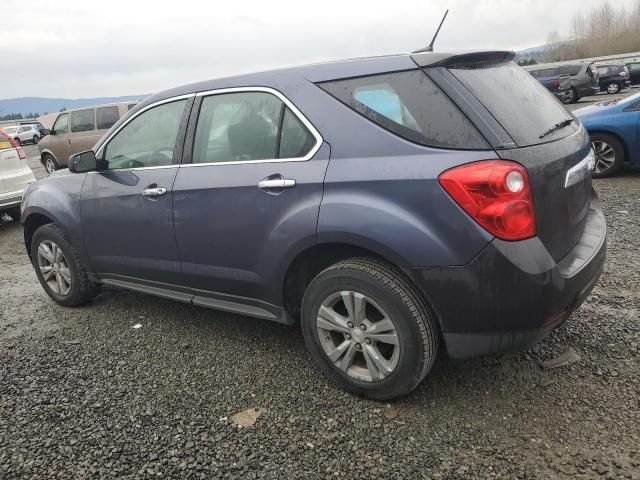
(513, 293)
(10, 199)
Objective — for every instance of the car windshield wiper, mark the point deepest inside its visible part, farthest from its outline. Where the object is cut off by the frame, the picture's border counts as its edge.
(558, 126)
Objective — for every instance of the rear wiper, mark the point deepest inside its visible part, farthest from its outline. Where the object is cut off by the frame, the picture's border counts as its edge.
(558, 126)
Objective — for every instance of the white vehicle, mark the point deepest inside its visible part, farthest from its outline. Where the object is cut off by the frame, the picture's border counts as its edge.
(15, 176)
(23, 133)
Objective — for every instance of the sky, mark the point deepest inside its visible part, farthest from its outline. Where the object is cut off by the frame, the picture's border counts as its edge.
(91, 48)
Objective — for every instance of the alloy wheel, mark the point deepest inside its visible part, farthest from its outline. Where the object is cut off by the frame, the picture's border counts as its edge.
(54, 267)
(605, 156)
(613, 88)
(358, 336)
(49, 165)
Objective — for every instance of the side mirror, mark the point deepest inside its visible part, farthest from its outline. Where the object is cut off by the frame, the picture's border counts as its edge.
(52, 132)
(83, 162)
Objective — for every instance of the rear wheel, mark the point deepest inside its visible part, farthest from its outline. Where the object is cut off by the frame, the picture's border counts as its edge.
(571, 97)
(613, 87)
(58, 267)
(368, 329)
(609, 153)
(50, 164)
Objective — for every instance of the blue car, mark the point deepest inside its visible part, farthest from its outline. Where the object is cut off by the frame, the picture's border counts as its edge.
(392, 206)
(614, 127)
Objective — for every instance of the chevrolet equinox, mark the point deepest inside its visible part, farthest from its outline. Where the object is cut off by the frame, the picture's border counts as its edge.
(392, 205)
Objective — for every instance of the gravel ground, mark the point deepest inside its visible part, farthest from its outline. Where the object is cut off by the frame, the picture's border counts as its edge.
(83, 394)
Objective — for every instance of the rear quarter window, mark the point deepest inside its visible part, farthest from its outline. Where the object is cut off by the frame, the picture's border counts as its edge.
(411, 106)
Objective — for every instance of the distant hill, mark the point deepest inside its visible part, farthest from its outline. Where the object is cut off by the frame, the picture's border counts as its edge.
(25, 105)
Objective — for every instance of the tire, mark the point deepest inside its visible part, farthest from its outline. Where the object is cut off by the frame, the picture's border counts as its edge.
(35, 139)
(50, 164)
(613, 87)
(386, 294)
(80, 288)
(610, 155)
(18, 142)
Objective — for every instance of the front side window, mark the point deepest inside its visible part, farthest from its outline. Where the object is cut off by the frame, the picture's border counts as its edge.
(148, 140)
(83, 121)
(411, 106)
(62, 124)
(24, 129)
(106, 117)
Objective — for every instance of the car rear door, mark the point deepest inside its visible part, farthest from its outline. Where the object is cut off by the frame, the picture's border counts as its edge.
(126, 207)
(247, 196)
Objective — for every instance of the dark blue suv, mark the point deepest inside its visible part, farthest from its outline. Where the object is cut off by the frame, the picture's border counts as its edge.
(392, 205)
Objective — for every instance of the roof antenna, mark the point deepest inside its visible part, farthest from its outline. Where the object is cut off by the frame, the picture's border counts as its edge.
(429, 48)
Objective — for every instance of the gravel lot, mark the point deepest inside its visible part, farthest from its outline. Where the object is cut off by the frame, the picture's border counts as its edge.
(83, 394)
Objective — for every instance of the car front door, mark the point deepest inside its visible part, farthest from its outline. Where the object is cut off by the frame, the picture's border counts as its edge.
(59, 143)
(127, 217)
(249, 196)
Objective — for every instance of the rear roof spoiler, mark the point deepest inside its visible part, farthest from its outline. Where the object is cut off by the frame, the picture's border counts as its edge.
(470, 59)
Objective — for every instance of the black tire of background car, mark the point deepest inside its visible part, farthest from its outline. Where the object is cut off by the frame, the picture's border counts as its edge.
(618, 148)
(572, 98)
(44, 162)
(416, 326)
(17, 140)
(35, 139)
(615, 89)
(82, 289)
(14, 213)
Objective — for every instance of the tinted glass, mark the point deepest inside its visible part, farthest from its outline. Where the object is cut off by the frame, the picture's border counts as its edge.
(522, 105)
(410, 105)
(148, 140)
(24, 129)
(296, 140)
(62, 124)
(83, 121)
(633, 66)
(237, 127)
(569, 69)
(106, 117)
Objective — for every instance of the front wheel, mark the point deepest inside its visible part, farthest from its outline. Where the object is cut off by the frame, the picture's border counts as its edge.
(18, 142)
(50, 165)
(58, 267)
(35, 139)
(609, 153)
(368, 329)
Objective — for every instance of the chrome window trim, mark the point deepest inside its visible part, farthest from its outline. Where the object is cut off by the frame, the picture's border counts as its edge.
(148, 107)
(135, 169)
(288, 103)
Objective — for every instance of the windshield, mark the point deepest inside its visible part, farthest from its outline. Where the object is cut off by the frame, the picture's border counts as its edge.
(524, 108)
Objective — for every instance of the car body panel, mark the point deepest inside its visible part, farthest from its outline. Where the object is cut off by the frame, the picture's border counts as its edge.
(15, 174)
(621, 119)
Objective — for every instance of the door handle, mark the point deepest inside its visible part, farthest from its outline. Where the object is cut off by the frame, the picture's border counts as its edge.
(276, 183)
(154, 192)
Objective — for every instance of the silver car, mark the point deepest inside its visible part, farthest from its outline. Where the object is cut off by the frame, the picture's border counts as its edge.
(24, 133)
(15, 176)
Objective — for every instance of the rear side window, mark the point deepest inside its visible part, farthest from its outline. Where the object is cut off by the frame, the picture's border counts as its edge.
(410, 105)
(524, 108)
(106, 117)
(248, 126)
(569, 69)
(82, 121)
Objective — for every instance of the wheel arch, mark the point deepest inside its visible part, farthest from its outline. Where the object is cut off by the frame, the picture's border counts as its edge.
(32, 222)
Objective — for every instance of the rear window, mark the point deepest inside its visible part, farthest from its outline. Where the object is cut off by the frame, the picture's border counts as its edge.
(410, 105)
(524, 108)
(569, 69)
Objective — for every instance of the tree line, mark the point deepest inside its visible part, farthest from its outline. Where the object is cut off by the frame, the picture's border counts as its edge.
(607, 29)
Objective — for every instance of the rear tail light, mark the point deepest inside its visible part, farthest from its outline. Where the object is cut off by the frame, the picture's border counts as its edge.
(18, 148)
(496, 194)
(556, 83)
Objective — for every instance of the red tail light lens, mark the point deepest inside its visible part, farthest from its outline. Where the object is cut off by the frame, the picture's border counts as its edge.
(496, 194)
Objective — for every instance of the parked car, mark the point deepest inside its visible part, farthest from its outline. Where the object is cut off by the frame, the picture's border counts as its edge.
(43, 131)
(76, 130)
(559, 85)
(614, 127)
(613, 78)
(23, 134)
(583, 77)
(15, 175)
(362, 198)
(634, 73)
